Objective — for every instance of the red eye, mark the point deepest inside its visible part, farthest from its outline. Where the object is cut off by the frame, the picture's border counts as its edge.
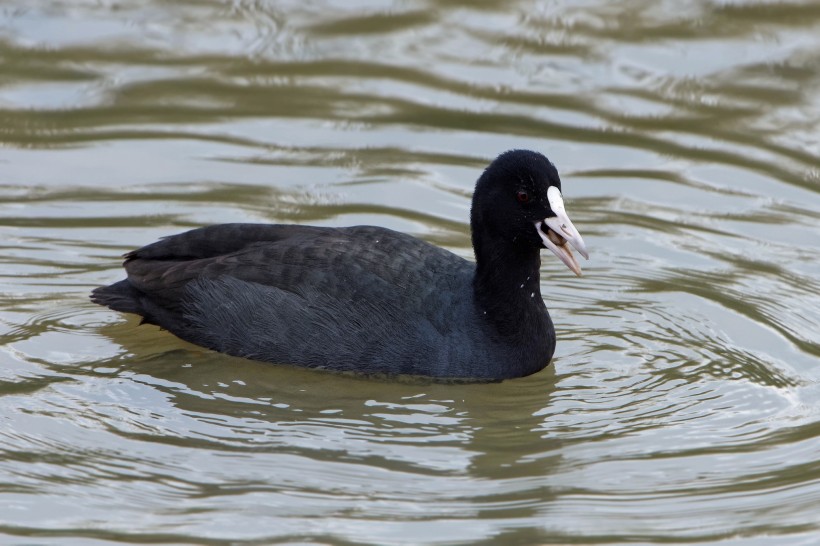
(523, 197)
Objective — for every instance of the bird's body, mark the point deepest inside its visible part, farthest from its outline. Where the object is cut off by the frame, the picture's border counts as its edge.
(362, 299)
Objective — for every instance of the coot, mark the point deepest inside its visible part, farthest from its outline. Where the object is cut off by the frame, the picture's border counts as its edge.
(368, 299)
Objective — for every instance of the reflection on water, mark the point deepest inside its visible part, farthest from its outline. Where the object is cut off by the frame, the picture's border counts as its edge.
(683, 401)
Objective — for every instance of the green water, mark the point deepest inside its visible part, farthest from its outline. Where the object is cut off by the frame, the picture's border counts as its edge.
(683, 403)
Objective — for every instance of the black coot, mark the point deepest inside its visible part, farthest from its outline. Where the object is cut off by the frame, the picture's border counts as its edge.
(368, 299)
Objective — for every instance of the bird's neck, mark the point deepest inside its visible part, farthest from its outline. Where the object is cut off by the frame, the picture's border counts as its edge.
(507, 290)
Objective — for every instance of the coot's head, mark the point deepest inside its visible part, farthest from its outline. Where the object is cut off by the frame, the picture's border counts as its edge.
(518, 204)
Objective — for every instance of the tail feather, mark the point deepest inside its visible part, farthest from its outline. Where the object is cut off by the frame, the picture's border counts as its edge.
(120, 296)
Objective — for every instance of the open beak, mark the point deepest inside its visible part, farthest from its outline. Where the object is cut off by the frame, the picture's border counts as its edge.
(556, 231)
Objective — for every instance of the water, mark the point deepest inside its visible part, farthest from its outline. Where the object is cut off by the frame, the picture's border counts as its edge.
(683, 403)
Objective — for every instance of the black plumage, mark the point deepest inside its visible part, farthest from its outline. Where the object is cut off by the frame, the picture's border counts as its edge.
(363, 299)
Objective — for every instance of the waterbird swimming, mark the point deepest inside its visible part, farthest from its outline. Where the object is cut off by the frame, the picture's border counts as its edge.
(368, 299)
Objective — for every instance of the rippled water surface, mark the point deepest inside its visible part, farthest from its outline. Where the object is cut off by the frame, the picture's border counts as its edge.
(683, 403)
